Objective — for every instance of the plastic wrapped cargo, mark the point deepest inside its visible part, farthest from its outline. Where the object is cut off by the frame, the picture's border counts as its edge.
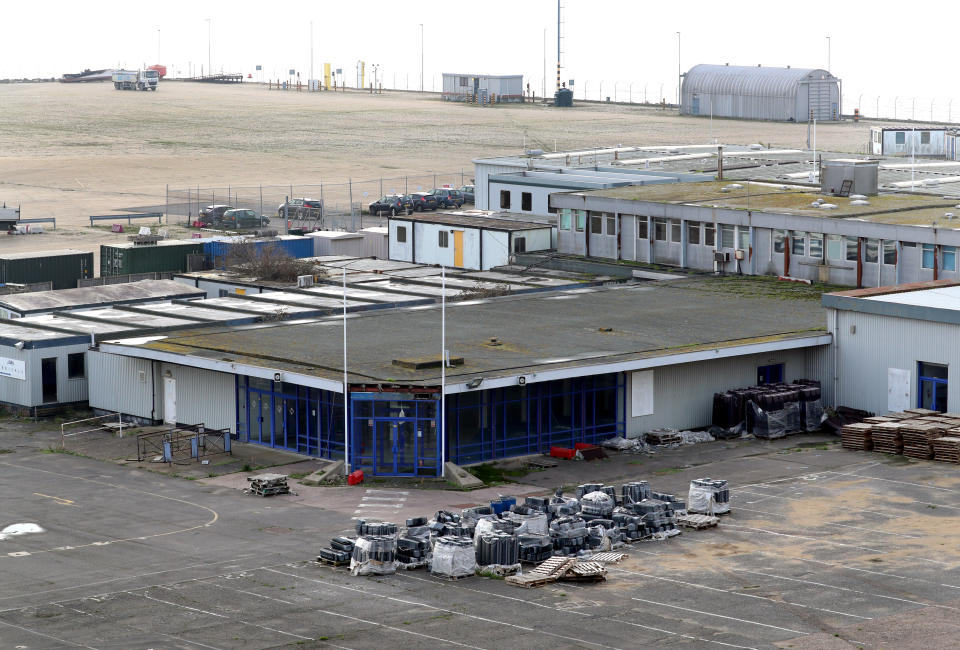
(597, 504)
(374, 555)
(708, 496)
(812, 415)
(453, 557)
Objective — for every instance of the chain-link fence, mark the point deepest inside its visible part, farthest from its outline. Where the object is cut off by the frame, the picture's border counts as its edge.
(337, 205)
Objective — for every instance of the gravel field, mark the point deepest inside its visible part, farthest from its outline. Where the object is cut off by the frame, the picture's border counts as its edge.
(72, 150)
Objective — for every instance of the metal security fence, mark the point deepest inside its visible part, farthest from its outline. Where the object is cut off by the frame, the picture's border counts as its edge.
(328, 203)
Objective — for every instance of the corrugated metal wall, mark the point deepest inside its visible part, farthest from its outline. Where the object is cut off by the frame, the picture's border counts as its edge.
(29, 392)
(683, 394)
(126, 384)
(879, 343)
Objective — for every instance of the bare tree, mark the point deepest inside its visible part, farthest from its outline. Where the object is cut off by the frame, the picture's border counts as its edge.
(481, 290)
(268, 262)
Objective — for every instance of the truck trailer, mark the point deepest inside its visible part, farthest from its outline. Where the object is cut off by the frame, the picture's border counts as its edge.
(136, 79)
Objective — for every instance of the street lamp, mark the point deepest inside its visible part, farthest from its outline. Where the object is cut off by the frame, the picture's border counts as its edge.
(828, 53)
(209, 65)
(158, 46)
(679, 76)
(421, 57)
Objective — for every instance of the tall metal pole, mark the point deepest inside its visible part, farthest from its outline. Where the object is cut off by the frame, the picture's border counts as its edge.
(421, 57)
(829, 43)
(209, 65)
(544, 62)
(443, 371)
(679, 75)
(346, 394)
(158, 46)
(311, 54)
(558, 44)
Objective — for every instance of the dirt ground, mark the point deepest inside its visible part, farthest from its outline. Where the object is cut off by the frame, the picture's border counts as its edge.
(72, 150)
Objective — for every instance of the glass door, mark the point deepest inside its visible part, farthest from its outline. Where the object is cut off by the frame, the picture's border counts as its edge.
(406, 450)
(385, 432)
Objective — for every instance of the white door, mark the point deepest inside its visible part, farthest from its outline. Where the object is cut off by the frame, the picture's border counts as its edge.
(169, 400)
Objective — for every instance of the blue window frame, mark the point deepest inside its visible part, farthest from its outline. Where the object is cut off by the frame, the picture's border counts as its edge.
(932, 386)
(288, 416)
(772, 374)
(395, 434)
(517, 420)
(949, 256)
(928, 256)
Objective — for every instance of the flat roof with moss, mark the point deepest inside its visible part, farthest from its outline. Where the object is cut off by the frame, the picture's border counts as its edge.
(901, 208)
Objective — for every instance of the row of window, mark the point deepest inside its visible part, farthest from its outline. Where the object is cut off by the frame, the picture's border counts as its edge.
(526, 201)
(806, 244)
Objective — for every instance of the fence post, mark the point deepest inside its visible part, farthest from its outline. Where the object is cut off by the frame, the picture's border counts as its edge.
(286, 213)
(381, 186)
(261, 200)
(189, 205)
(166, 210)
(406, 189)
(120, 422)
(350, 186)
(434, 179)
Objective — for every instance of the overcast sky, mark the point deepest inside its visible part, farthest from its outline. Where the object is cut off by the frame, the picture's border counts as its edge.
(874, 50)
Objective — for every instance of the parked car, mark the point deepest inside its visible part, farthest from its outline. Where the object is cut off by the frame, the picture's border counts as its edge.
(242, 218)
(468, 192)
(392, 204)
(302, 209)
(211, 214)
(447, 197)
(422, 201)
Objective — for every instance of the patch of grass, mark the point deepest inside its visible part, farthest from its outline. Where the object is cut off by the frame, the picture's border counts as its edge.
(491, 474)
(932, 507)
(669, 470)
(59, 450)
(6, 451)
(296, 475)
(247, 468)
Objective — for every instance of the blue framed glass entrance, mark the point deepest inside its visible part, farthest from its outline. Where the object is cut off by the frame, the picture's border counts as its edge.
(932, 386)
(518, 420)
(288, 416)
(395, 434)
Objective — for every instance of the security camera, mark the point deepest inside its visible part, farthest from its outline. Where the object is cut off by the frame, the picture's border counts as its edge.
(18, 345)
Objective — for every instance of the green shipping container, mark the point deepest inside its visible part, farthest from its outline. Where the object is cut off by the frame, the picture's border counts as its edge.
(63, 268)
(163, 256)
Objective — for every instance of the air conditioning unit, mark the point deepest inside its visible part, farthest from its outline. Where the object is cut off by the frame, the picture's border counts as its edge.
(739, 254)
(721, 256)
(304, 281)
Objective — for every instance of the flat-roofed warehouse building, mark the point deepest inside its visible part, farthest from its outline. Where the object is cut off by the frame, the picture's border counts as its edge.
(528, 372)
(758, 93)
(896, 347)
(482, 88)
(767, 228)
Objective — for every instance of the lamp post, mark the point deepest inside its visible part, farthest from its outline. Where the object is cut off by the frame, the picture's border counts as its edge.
(209, 65)
(158, 46)
(828, 53)
(679, 76)
(421, 57)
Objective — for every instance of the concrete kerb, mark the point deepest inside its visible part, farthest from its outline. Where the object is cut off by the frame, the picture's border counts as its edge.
(461, 478)
(330, 471)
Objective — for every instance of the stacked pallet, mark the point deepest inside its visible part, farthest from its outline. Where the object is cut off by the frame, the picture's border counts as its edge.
(947, 448)
(918, 437)
(663, 437)
(887, 437)
(268, 485)
(856, 436)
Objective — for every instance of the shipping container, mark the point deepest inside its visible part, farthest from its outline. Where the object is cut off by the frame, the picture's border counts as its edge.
(376, 242)
(217, 251)
(336, 242)
(63, 268)
(129, 257)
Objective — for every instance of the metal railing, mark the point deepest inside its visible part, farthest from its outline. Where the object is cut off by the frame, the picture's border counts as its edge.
(182, 443)
(103, 427)
(129, 217)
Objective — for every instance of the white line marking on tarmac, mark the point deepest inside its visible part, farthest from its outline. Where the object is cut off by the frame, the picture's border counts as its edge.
(890, 480)
(383, 498)
(440, 609)
(741, 491)
(878, 573)
(203, 611)
(169, 636)
(730, 618)
(740, 593)
(830, 523)
(856, 591)
(570, 611)
(47, 636)
(812, 539)
(380, 505)
(369, 490)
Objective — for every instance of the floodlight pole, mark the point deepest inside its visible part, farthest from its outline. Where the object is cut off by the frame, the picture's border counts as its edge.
(421, 57)
(209, 65)
(443, 371)
(346, 393)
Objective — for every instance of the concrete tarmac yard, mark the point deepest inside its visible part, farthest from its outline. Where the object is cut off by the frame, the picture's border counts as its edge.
(825, 548)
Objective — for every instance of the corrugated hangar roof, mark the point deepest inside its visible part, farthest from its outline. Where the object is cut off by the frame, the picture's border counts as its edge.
(750, 80)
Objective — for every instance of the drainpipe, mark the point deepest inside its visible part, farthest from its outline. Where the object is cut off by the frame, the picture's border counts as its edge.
(836, 357)
(587, 225)
(753, 245)
(896, 262)
(786, 255)
(683, 244)
(153, 394)
(650, 240)
(936, 260)
(880, 263)
(719, 161)
(860, 263)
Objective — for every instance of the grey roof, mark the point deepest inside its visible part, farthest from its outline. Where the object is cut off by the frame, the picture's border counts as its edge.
(42, 254)
(479, 220)
(936, 301)
(536, 332)
(581, 179)
(125, 293)
(754, 81)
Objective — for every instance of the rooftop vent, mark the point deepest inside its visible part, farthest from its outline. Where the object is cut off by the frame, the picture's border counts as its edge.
(425, 363)
(494, 341)
(860, 202)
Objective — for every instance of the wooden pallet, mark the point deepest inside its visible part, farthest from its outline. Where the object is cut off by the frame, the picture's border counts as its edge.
(548, 571)
(540, 463)
(585, 572)
(697, 522)
(323, 560)
(442, 576)
(608, 558)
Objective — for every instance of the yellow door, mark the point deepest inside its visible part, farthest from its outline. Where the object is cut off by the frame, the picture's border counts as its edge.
(458, 248)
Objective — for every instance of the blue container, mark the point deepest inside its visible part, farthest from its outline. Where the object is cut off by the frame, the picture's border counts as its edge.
(503, 504)
(217, 251)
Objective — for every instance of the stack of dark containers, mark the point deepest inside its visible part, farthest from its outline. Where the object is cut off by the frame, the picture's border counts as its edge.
(768, 410)
(339, 552)
(413, 546)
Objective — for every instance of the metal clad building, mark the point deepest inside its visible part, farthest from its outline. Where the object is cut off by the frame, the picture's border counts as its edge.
(911, 141)
(484, 87)
(758, 93)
